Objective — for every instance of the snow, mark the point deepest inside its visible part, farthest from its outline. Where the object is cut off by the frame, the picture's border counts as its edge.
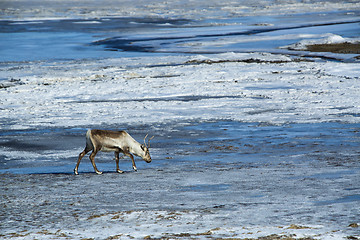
(224, 86)
(326, 39)
(35, 10)
(251, 139)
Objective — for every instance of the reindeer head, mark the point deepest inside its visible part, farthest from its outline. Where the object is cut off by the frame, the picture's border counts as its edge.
(145, 147)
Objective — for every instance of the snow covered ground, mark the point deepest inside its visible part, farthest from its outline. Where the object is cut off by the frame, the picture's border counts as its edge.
(255, 136)
(271, 88)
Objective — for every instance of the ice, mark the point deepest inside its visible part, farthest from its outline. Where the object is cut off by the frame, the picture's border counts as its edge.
(252, 139)
(240, 201)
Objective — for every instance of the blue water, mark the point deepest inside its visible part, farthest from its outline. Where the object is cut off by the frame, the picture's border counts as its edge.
(346, 199)
(206, 143)
(127, 37)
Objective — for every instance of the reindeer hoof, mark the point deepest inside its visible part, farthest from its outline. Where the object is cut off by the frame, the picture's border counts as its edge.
(135, 169)
(76, 172)
(119, 171)
(98, 172)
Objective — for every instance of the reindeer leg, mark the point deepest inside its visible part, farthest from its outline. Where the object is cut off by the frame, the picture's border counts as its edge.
(133, 162)
(117, 162)
(81, 155)
(92, 158)
(132, 159)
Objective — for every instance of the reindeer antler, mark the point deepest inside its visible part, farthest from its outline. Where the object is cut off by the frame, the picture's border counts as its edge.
(148, 145)
(144, 139)
(149, 141)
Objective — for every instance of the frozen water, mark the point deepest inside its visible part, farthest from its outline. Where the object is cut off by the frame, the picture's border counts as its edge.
(251, 139)
(224, 178)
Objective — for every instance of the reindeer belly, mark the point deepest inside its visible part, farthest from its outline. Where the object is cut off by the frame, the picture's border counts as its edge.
(108, 145)
(109, 149)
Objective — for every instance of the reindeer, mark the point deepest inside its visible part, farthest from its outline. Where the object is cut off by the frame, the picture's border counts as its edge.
(113, 141)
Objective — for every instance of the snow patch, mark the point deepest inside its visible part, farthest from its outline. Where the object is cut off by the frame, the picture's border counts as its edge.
(325, 39)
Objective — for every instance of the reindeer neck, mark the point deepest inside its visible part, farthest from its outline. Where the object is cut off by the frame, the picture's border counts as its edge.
(134, 146)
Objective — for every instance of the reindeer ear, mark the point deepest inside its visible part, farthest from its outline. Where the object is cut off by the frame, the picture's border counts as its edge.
(143, 147)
